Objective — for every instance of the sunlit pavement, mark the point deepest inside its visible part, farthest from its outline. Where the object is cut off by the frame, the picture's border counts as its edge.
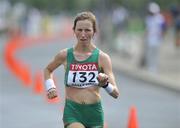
(22, 107)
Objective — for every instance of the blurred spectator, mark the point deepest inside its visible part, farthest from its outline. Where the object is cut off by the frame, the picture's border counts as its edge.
(155, 27)
(119, 19)
(17, 17)
(5, 7)
(34, 22)
(175, 11)
(46, 24)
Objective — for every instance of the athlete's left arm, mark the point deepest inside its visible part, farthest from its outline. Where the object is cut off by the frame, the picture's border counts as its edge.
(106, 64)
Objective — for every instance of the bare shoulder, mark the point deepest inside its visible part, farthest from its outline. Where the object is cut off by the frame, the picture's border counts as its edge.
(103, 55)
(62, 54)
(104, 58)
(60, 57)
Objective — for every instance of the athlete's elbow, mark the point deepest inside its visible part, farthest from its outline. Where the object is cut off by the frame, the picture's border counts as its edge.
(47, 70)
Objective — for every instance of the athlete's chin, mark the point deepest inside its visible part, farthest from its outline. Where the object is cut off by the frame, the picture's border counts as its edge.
(84, 42)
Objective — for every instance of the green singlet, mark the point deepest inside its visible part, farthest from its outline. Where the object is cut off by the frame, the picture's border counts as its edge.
(82, 74)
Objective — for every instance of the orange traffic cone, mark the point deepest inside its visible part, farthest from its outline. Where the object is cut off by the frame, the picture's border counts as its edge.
(25, 74)
(38, 87)
(132, 121)
(16, 66)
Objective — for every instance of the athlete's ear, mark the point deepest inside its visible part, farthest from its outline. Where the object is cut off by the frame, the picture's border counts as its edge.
(74, 32)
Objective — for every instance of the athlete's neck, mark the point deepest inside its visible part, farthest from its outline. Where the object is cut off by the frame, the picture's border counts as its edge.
(84, 48)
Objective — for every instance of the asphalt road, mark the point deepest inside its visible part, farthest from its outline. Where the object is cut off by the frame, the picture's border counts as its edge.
(156, 107)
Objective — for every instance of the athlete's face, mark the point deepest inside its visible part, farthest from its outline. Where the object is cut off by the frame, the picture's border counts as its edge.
(84, 31)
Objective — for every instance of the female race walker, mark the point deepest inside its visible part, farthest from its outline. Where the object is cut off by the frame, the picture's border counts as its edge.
(87, 69)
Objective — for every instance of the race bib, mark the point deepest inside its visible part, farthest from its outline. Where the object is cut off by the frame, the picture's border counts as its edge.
(83, 75)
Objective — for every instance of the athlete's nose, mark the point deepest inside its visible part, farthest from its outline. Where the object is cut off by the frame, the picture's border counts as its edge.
(83, 33)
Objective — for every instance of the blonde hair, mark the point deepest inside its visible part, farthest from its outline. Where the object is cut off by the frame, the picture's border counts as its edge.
(86, 16)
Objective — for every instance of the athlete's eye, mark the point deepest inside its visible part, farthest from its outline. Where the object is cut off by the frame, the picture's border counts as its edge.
(79, 30)
(87, 30)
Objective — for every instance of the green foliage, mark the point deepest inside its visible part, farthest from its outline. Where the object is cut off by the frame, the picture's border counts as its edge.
(55, 6)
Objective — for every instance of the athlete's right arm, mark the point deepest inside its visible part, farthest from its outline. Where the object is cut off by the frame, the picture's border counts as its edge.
(58, 60)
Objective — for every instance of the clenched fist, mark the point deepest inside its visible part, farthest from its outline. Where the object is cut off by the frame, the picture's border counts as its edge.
(103, 79)
(52, 93)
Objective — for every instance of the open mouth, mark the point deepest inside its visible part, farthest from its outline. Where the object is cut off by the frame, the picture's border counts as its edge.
(83, 39)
